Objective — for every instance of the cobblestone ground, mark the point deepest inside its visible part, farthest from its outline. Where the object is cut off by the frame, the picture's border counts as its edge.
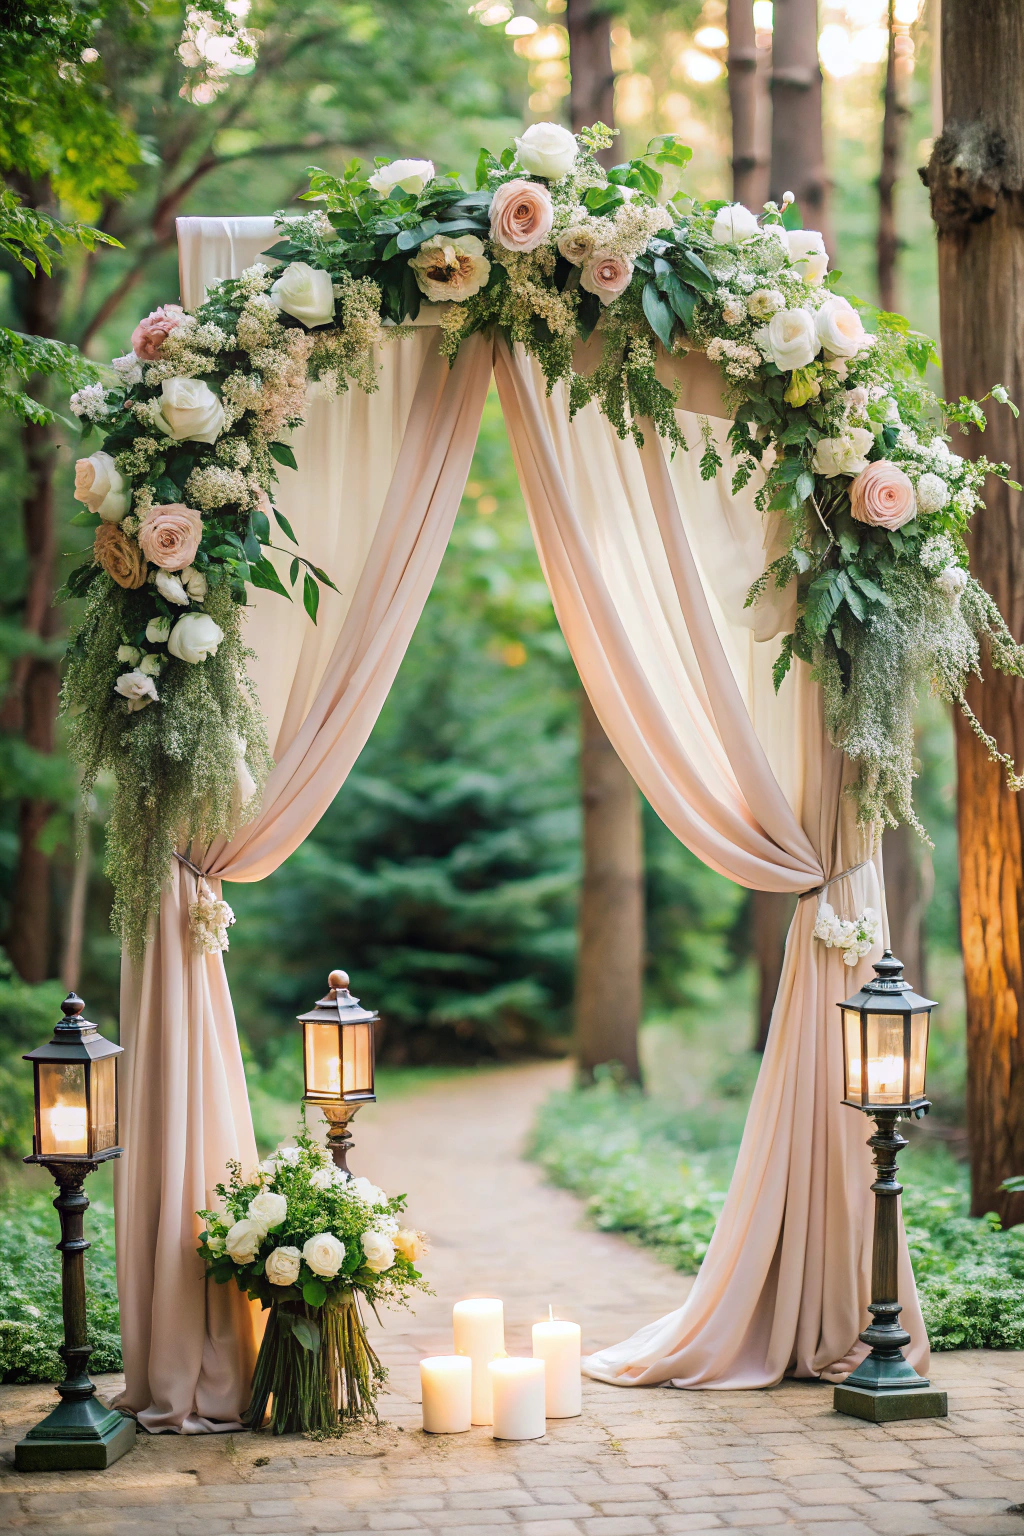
(637, 1463)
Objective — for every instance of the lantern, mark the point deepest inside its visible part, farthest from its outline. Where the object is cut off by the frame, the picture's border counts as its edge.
(885, 1047)
(337, 1056)
(75, 1131)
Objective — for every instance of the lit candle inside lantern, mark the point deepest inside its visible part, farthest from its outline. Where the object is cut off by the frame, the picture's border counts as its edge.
(446, 1384)
(517, 1391)
(885, 1079)
(558, 1345)
(479, 1327)
(68, 1128)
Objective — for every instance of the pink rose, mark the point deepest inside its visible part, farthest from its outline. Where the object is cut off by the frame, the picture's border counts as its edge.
(150, 334)
(883, 496)
(606, 275)
(169, 536)
(521, 215)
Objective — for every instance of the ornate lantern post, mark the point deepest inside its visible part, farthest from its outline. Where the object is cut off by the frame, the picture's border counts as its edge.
(76, 1129)
(885, 1049)
(337, 1057)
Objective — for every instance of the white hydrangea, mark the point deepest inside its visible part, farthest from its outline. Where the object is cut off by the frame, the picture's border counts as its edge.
(937, 552)
(128, 369)
(952, 581)
(90, 401)
(932, 493)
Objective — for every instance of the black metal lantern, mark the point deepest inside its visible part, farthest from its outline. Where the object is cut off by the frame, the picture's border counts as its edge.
(75, 1130)
(338, 1058)
(885, 1050)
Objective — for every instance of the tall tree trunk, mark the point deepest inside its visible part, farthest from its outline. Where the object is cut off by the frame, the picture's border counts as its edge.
(976, 180)
(798, 149)
(905, 898)
(893, 119)
(609, 967)
(749, 106)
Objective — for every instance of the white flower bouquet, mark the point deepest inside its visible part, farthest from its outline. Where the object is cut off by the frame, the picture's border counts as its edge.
(308, 1240)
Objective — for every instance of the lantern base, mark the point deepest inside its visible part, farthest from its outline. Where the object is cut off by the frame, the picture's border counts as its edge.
(81, 1435)
(884, 1407)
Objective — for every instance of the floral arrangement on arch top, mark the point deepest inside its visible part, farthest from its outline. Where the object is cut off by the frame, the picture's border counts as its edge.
(848, 445)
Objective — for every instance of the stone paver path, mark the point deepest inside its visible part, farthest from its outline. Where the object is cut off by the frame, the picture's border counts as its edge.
(651, 1462)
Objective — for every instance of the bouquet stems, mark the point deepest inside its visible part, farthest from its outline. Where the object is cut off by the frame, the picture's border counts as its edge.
(316, 1369)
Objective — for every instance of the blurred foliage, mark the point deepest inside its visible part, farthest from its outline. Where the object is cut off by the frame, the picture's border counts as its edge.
(27, 1016)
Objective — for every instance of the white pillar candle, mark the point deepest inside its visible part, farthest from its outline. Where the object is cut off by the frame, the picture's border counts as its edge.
(517, 1390)
(446, 1386)
(558, 1345)
(479, 1327)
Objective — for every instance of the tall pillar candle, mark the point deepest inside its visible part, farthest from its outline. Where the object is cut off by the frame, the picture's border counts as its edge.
(446, 1387)
(517, 1390)
(479, 1327)
(558, 1345)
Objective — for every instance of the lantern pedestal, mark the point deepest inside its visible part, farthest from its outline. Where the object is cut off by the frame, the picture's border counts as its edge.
(339, 1137)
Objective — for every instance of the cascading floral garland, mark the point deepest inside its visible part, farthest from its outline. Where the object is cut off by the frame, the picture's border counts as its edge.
(848, 444)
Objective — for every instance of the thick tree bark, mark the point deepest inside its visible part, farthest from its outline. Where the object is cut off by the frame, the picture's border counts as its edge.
(592, 98)
(893, 119)
(905, 899)
(976, 180)
(749, 106)
(798, 150)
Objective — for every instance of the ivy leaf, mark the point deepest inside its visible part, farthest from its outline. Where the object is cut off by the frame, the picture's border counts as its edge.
(659, 315)
(283, 454)
(310, 596)
(314, 1293)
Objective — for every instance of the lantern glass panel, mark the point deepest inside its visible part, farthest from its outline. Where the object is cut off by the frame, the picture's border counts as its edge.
(357, 1045)
(323, 1064)
(886, 1058)
(63, 1116)
(918, 1054)
(851, 1047)
(103, 1103)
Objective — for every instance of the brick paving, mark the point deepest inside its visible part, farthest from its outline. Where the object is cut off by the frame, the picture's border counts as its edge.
(651, 1462)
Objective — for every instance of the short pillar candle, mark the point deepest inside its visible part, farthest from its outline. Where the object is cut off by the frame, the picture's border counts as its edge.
(558, 1345)
(479, 1326)
(517, 1391)
(446, 1387)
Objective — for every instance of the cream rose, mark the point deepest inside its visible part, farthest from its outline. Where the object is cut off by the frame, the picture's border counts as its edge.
(410, 175)
(410, 1244)
(790, 339)
(607, 275)
(170, 586)
(369, 1193)
(243, 1241)
(189, 411)
(521, 215)
(450, 269)
(845, 455)
(158, 629)
(324, 1254)
(151, 665)
(267, 1210)
(305, 292)
(283, 1266)
(138, 688)
(577, 244)
(378, 1250)
(839, 328)
(883, 496)
(194, 582)
(150, 334)
(129, 654)
(194, 637)
(169, 535)
(101, 487)
(807, 253)
(548, 150)
(733, 224)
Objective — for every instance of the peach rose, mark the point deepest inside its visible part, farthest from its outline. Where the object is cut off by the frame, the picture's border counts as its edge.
(150, 334)
(119, 556)
(170, 536)
(521, 215)
(606, 275)
(883, 496)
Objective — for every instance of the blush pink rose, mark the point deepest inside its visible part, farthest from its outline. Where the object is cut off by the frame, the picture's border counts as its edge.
(883, 496)
(606, 275)
(521, 215)
(150, 334)
(169, 536)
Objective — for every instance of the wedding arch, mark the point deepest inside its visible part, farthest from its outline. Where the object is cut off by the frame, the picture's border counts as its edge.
(751, 528)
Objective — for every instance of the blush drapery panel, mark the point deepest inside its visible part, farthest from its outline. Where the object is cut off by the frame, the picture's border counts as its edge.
(648, 567)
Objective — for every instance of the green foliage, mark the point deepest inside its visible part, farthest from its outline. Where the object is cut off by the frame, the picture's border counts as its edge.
(27, 1016)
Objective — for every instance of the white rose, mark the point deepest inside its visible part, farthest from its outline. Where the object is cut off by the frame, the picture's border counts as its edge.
(324, 1254)
(283, 1266)
(952, 580)
(379, 1251)
(129, 654)
(548, 150)
(845, 455)
(169, 585)
(733, 224)
(189, 411)
(243, 1241)
(194, 582)
(932, 493)
(367, 1192)
(157, 630)
(138, 689)
(268, 1210)
(194, 637)
(151, 665)
(305, 292)
(789, 338)
(807, 253)
(410, 175)
(839, 328)
(102, 488)
(289, 1155)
